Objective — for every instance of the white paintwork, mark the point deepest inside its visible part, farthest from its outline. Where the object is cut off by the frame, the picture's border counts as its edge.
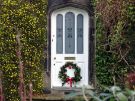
(57, 60)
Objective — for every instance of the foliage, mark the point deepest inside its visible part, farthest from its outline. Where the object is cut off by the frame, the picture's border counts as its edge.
(130, 80)
(29, 17)
(113, 93)
(113, 47)
(130, 30)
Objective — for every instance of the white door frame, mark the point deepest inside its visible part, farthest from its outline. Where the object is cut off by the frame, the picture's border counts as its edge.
(57, 60)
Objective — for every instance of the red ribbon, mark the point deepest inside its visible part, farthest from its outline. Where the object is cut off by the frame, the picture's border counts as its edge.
(70, 81)
(70, 67)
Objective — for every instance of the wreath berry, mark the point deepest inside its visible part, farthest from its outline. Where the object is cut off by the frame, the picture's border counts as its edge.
(65, 78)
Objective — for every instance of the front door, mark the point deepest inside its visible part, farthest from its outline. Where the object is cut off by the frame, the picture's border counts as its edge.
(69, 43)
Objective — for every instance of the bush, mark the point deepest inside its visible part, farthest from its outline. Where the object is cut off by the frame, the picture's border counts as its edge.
(114, 50)
(29, 19)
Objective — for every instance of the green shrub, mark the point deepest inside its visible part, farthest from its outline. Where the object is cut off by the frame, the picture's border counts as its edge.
(113, 93)
(114, 47)
(30, 19)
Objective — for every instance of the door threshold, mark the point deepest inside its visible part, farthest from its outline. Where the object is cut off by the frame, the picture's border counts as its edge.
(71, 89)
(66, 89)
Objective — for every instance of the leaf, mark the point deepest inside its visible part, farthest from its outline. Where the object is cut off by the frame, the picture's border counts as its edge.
(114, 89)
(121, 97)
(130, 92)
(72, 95)
(93, 95)
(105, 94)
(108, 97)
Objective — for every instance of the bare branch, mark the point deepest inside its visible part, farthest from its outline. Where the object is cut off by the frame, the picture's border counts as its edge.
(22, 91)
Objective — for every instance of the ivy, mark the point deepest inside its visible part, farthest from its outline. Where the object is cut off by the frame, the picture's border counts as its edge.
(29, 17)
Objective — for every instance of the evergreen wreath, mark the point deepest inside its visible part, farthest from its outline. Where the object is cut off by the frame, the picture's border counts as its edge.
(65, 78)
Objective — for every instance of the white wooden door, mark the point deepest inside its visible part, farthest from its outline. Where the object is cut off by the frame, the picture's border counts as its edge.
(69, 43)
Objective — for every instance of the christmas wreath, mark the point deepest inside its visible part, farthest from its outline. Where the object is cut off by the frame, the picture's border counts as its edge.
(65, 78)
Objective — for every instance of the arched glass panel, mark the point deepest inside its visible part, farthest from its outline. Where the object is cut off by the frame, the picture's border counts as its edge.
(69, 33)
(59, 34)
(80, 34)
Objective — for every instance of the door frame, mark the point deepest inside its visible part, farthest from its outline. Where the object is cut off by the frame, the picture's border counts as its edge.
(81, 59)
(91, 44)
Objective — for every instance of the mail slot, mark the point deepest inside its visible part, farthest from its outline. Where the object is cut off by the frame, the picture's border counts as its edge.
(69, 58)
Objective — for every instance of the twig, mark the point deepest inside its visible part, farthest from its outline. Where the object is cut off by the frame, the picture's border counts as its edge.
(1, 88)
(83, 90)
(123, 56)
(30, 88)
(22, 91)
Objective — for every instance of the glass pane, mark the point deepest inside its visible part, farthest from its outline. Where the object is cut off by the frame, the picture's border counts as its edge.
(59, 34)
(70, 33)
(80, 34)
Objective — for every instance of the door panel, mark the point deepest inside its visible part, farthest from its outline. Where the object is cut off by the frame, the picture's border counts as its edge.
(56, 82)
(69, 43)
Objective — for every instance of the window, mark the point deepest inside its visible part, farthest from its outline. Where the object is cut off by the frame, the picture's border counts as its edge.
(72, 40)
(59, 34)
(80, 34)
(69, 33)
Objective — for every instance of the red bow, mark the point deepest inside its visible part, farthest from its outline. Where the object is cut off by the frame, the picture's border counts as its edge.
(70, 67)
(70, 81)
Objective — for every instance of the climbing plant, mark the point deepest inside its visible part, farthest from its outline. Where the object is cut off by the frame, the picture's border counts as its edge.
(114, 20)
(28, 17)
